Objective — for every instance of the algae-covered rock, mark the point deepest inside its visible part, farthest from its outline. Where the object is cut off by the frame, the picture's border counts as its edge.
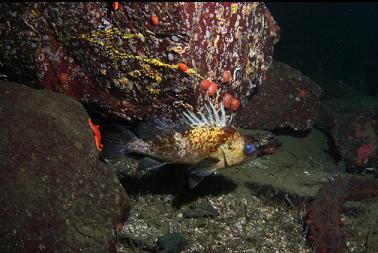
(286, 98)
(140, 58)
(356, 137)
(56, 196)
(352, 123)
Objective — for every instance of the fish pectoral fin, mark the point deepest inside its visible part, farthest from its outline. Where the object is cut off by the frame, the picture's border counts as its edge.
(148, 164)
(196, 175)
(201, 170)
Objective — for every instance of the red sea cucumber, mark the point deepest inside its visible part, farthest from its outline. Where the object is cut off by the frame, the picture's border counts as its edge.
(324, 218)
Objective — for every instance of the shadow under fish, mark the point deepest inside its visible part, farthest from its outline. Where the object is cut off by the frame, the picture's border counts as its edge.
(205, 141)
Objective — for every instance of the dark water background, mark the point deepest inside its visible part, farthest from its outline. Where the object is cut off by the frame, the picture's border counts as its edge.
(336, 44)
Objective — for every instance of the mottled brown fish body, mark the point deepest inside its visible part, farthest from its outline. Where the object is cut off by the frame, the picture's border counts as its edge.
(192, 146)
(204, 141)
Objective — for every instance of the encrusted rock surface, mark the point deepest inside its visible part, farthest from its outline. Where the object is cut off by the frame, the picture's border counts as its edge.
(356, 138)
(352, 123)
(56, 196)
(126, 61)
(286, 98)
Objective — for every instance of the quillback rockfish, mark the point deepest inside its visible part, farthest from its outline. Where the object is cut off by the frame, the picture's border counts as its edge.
(205, 141)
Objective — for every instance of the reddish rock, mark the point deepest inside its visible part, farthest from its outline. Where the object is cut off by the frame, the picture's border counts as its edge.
(352, 123)
(356, 139)
(56, 196)
(286, 98)
(124, 63)
(332, 109)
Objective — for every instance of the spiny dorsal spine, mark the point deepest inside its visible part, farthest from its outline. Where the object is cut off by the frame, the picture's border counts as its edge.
(210, 118)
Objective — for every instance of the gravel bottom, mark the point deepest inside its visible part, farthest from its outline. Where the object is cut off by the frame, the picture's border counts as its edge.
(245, 224)
(269, 219)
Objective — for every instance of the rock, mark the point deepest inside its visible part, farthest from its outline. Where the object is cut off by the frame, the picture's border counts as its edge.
(332, 109)
(352, 123)
(172, 243)
(286, 98)
(126, 63)
(200, 210)
(56, 195)
(355, 136)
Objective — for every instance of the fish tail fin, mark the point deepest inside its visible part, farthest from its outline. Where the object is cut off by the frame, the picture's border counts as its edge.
(121, 142)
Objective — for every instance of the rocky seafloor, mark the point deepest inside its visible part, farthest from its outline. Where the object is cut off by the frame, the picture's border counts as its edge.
(260, 206)
(257, 207)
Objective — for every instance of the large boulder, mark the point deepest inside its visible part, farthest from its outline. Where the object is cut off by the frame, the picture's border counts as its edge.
(356, 139)
(55, 194)
(286, 99)
(125, 59)
(352, 123)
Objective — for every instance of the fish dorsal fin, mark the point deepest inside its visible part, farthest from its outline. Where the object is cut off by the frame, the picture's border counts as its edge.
(209, 117)
(147, 130)
(159, 126)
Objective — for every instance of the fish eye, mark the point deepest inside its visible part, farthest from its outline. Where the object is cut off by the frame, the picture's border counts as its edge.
(249, 149)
